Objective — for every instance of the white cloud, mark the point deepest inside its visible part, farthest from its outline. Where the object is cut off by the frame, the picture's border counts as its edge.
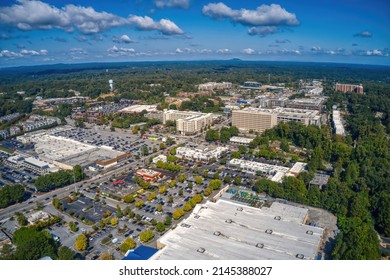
(248, 51)
(223, 51)
(165, 26)
(264, 15)
(122, 39)
(193, 51)
(78, 51)
(184, 4)
(375, 52)
(32, 15)
(262, 31)
(22, 53)
(115, 51)
(363, 34)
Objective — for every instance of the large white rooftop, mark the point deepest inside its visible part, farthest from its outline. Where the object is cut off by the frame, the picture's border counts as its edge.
(226, 230)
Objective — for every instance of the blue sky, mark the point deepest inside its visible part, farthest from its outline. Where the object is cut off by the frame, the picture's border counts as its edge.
(66, 31)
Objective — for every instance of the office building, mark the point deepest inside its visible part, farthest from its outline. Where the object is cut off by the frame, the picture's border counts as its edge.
(253, 119)
(188, 122)
(349, 88)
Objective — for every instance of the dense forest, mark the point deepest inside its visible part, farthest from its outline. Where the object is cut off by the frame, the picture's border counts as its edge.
(150, 80)
(11, 194)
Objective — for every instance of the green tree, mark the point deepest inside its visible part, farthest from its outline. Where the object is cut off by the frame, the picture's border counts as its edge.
(212, 135)
(159, 208)
(32, 244)
(207, 191)
(167, 221)
(7, 252)
(172, 183)
(139, 204)
(106, 256)
(237, 180)
(65, 253)
(146, 235)
(177, 214)
(227, 179)
(11, 194)
(129, 198)
(284, 145)
(114, 221)
(181, 178)
(73, 227)
(81, 243)
(187, 207)
(151, 196)
(160, 227)
(198, 180)
(128, 244)
(22, 220)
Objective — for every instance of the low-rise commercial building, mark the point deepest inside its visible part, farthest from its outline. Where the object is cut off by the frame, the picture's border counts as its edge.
(158, 158)
(240, 140)
(231, 231)
(148, 174)
(275, 173)
(198, 154)
(138, 109)
(35, 165)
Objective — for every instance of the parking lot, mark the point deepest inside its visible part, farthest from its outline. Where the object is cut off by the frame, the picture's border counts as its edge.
(88, 208)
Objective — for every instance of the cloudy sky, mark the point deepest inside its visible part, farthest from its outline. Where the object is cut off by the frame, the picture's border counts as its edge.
(69, 31)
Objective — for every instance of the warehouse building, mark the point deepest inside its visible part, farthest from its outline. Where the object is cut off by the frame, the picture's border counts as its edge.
(230, 231)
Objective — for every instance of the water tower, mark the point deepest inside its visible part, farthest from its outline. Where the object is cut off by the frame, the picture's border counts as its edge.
(111, 82)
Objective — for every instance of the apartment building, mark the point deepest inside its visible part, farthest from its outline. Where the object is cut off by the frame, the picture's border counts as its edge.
(188, 122)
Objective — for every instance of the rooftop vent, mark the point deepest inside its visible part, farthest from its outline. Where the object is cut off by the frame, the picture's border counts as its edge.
(309, 232)
(185, 225)
(240, 209)
(278, 218)
(269, 231)
(196, 216)
(217, 233)
(300, 256)
(229, 221)
(201, 250)
(260, 245)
